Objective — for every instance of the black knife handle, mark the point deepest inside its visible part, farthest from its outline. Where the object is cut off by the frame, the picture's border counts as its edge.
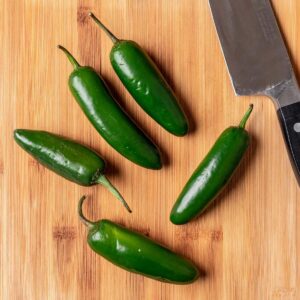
(289, 118)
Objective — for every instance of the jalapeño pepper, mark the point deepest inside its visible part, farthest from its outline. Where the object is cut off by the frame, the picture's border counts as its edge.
(137, 253)
(146, 84)
(67, 158)
(213, 173)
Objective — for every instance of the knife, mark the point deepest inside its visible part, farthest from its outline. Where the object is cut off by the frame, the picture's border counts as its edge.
(259, 64)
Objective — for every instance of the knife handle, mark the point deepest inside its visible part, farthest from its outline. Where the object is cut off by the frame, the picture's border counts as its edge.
(289, 118)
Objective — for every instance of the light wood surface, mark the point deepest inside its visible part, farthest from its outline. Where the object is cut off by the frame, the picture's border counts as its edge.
(248, 243)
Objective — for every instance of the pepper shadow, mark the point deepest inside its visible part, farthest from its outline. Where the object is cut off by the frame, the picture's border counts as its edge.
(181, 99)
(119, 99)
(238, 178)
(111, 169)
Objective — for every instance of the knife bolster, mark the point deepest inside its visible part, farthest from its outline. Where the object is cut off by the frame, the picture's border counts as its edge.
(285, 93)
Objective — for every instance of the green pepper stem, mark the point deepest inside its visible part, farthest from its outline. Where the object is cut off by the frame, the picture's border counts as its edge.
(71, 58)
(246, 116)
(102, 26)
(105, 182)
(84, 220)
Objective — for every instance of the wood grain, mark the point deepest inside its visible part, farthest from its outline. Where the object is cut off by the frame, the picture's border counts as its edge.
(248, 243)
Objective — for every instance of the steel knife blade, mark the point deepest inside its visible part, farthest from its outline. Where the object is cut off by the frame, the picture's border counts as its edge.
(258, 62)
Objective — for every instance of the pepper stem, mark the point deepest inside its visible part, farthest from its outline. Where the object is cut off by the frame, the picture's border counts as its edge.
(102, 26)
(105, 182)
(84, 220)
(71, 58)
(246, 116)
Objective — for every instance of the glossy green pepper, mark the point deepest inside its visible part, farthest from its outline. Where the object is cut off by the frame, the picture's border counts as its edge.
(213, 173)
(137, 253)
(146, 84)
(113, 124)
(66, 158)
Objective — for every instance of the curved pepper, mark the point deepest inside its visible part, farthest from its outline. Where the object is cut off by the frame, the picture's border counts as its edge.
(137, 253)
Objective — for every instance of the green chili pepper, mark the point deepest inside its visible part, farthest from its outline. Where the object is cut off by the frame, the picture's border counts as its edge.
(146, 84)
(113, 124)
(137, 253)
(213, 173)
(67, 158)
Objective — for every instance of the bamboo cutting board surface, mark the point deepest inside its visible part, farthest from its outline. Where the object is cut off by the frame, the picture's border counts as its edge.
(247, 243)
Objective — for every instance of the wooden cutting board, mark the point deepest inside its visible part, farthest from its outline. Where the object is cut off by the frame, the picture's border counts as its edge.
(248, 242)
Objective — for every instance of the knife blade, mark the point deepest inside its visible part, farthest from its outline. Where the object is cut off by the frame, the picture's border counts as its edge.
(258, 62)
